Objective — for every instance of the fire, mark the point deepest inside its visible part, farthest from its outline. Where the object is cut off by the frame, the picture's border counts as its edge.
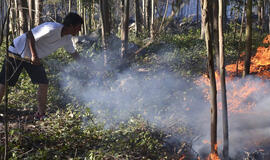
(214, 156)
(182, 158)
(240, 92)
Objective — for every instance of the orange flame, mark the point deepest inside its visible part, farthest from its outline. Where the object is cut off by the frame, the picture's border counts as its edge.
(214, 156)
(182, 158)
(239, 91)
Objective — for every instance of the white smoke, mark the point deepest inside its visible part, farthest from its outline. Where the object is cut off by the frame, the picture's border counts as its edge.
(166, 99)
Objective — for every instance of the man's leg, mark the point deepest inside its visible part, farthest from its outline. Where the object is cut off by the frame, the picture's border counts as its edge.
(42, 98)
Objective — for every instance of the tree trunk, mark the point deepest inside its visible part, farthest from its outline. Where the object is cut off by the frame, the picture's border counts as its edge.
(138, 20)
(210, 58)
(55, 10)
(197, 10)
(12, 23)
(223, 85)
(268, 16)
(85, 22)
(215, 30)
(202, 21)
(124, 27)
(147, 15)
(241, 34)
(69, 5)
(38, 9)
(30, 14)
(105, 29)
(164, 16)
(22, 16)
(93, 24)
(248, 38)
(152, 19)
(259, 10)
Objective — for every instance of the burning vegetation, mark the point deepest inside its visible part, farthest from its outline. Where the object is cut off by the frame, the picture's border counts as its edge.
(246, 98)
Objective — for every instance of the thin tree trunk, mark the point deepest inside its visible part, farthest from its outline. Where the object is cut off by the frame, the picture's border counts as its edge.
(93, 24)
(203, 20)
(138, 23)
(223, 85)
(259, 10)
(124, 27)
(105, 30)
(69, 5)
(248, 38)
(55, 10)
(85, 22)
(6, 156)
(269, 16)
(164, 16)
(211, 71)
(241, 34)
(22, 16)
(16, 16)
(215, 30)
(30, 14)
(152, 19)
(197, 10)
(12, 24)
(38, 9)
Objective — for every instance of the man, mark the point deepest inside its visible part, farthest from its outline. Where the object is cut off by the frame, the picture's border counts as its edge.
(27, 50)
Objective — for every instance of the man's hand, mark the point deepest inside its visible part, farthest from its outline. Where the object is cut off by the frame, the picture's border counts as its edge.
(35, 61)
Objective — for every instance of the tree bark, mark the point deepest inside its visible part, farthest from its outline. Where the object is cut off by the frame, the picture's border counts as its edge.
(105, 29)
(30, 14)
(223, 85)
(138, 20)
(164, 16)
(215, 30)
(38, 9)
(22, 16)
(124, 27)
(210, 60)
(259, 10)
(152, 19)
(69, 5)
(202, 21)
(241, 34)
(248, 38)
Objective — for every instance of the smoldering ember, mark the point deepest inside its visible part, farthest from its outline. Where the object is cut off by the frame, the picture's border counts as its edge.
(135, 80)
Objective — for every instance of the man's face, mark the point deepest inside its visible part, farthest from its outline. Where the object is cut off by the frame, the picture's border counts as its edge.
(76, 29)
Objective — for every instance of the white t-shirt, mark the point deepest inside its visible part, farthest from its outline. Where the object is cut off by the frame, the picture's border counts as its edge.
(47, 39)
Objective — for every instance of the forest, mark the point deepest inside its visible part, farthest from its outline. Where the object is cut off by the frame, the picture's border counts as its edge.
(156, 79)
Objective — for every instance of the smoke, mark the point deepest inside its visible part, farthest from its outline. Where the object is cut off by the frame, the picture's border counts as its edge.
(165, 99)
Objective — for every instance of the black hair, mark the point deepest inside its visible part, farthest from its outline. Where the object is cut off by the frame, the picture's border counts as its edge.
(72, 19)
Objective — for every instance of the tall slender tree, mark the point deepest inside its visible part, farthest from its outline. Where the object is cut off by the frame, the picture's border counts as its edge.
(138, 19)
(215, 30)
(223, 84)
(152, 19)
(124, 26)
(30, 14)
(105, 29)
(38, 10)
(248, 38)
(211, 71)
(202, 20)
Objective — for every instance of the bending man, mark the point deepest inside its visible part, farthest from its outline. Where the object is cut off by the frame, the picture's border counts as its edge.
(27, 50)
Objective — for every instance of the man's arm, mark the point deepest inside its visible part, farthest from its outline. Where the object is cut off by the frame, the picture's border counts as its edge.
(31, 42)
